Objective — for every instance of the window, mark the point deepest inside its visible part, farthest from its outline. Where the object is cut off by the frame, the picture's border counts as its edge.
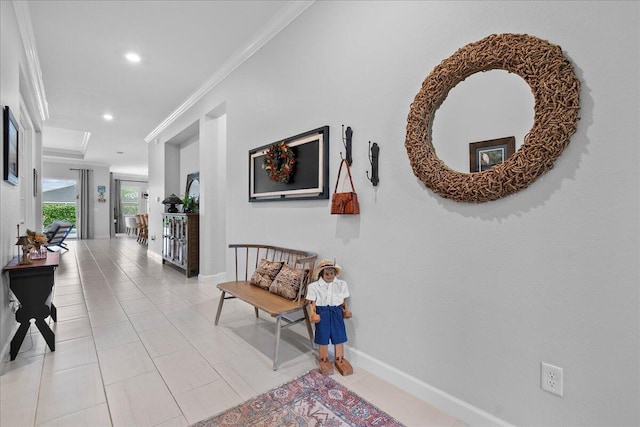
(130, 200)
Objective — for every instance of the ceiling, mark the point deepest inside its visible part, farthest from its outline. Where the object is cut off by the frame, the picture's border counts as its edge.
(81, 47)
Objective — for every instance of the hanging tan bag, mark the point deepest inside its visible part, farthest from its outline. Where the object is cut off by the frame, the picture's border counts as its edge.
(345, 203)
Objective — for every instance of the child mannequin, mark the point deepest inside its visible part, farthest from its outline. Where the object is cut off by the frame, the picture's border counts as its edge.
(328, 309)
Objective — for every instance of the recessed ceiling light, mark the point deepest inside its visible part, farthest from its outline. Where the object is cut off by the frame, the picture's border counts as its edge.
(132, 57)
(108, 117)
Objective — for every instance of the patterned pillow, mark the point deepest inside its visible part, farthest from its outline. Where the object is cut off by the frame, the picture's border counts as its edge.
(287, 282)
(265, 273)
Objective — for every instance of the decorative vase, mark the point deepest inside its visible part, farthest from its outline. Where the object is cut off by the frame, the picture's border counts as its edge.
(38, 253)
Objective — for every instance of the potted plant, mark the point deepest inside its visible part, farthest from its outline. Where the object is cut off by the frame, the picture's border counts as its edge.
(190, 204)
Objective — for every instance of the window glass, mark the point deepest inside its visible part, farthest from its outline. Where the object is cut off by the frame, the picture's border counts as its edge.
(130, 200)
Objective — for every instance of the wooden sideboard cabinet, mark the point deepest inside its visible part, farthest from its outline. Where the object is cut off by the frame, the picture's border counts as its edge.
(180, 241)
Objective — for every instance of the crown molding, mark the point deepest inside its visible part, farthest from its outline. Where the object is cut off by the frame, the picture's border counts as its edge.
(279, 22)
(74, 162)
(62, 153)
(23, 16)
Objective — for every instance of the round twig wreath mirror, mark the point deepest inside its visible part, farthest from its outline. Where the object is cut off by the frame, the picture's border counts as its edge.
(555, 89)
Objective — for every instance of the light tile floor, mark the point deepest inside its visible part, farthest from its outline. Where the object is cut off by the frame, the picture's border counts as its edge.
(136, 346)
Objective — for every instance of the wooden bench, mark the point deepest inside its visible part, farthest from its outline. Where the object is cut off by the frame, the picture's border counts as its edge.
(286, 312)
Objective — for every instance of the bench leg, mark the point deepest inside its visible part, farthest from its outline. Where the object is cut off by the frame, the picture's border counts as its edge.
(277, 345)
(220, 307)
(256, 309)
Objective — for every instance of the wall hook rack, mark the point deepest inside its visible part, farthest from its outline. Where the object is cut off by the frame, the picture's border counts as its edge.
(346, 141)
(374, 152)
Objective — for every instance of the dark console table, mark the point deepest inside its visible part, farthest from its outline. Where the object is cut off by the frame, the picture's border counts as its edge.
(32, 284)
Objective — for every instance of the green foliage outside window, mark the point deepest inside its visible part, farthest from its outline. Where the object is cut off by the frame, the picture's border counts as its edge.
(129, 209)
(129, 195)
(130, 200)
(58, 211)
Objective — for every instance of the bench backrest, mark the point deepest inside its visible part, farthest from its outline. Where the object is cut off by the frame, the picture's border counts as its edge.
(58, 231)
(248, 256)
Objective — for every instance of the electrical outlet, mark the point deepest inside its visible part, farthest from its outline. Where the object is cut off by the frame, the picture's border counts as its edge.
(552, 379)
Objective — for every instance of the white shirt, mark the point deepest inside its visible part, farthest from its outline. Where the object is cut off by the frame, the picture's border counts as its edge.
(324, 293)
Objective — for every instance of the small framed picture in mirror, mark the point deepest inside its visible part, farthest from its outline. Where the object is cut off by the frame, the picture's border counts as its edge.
(483, 155)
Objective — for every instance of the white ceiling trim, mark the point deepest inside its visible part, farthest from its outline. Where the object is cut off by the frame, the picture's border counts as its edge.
(48, 152)
(270, 30)
(61, 152)
(33, 63)
(85, 143)
(72, 161)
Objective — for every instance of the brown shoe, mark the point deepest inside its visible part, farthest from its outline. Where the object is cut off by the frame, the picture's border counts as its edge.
(325, 367)
(343, 366)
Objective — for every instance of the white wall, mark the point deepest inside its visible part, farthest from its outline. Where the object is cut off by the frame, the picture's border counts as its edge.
(9, 194)
(19, 206)
(102, 218)
(157, 175)
(463, 298)
(179, 160)
(213, 195)
(172, 170)
(189, 161)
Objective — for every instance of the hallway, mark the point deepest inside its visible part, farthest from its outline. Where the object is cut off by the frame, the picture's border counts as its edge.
(136, 346)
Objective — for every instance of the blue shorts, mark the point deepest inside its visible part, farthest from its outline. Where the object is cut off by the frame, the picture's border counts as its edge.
(331, 325)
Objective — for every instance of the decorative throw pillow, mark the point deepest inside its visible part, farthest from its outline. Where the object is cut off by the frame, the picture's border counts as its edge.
(265, 273)
(288, 281)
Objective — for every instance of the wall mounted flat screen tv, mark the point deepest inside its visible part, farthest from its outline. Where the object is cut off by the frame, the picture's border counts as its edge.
(310, 174)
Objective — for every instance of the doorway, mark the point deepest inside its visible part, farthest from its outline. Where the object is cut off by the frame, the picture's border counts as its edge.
(132, 198)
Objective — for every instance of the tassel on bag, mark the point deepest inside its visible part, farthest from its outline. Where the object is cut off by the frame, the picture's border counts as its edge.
(345, 203)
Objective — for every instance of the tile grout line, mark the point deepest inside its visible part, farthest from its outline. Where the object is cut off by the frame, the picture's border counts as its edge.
(104, 390)
(141, 341)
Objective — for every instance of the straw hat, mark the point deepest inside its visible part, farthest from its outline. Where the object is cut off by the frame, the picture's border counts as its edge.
(325, 263)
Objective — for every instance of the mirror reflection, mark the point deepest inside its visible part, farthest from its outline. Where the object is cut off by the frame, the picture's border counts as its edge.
(194, 188)
(193, 185)
(487, 105)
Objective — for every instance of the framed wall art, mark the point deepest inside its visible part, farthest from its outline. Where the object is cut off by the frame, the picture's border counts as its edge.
(291, 169)
(484, 155)
(10, 146)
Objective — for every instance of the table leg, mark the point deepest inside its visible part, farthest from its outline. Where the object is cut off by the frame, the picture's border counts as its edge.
(47, 333)
(54, 313)
(16, 342)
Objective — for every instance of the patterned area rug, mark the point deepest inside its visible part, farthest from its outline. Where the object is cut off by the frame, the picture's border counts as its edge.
(311, 400)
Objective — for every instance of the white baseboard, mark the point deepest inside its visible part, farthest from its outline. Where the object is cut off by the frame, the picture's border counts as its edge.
(214, 279)
(4, 354)
(467, 413)
(154, 255)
